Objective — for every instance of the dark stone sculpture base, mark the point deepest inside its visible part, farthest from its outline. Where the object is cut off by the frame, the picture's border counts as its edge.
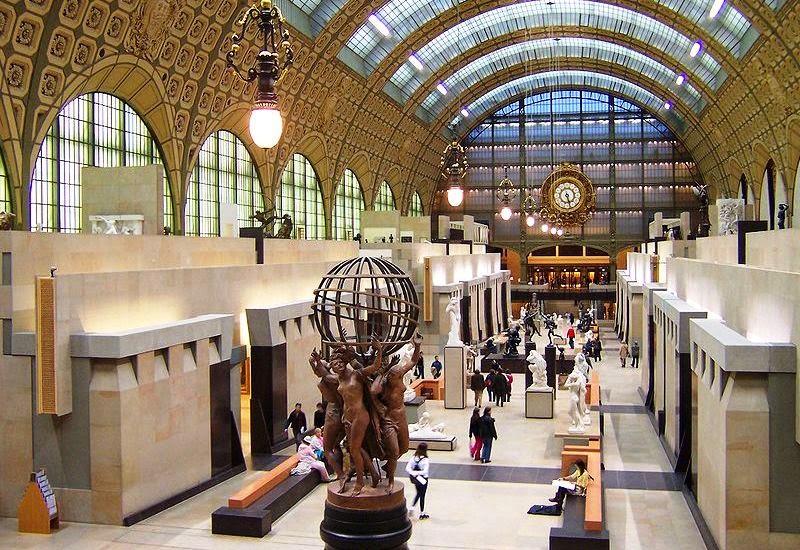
(381, 528)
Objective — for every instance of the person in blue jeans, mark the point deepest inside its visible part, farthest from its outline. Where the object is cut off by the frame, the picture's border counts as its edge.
(488, 435)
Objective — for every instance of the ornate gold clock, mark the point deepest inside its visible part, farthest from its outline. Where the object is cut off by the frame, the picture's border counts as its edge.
(568, 197)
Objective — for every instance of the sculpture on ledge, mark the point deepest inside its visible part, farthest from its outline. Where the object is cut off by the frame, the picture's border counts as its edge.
(730, 211)
(576, 384)
(782, 208)
(268, 221)
(582, 366)
(514, 340)
(425, 429)
(453, 311)
(538, 367)
(6, 221)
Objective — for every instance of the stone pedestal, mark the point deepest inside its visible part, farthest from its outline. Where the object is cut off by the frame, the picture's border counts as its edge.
(539, 403)
(373, 519)
(414, 410)
(455, 368)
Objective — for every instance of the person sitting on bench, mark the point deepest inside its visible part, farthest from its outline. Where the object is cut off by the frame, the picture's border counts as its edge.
(308, 461)
(579, 479)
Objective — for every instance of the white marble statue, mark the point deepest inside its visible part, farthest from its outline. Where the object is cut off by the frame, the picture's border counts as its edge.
(583, 367)
(454, 311)
(472, 353)
(576, 384)
(109, 226)
(730, 212)
(425, 429)
(538, 367)
(409, 395)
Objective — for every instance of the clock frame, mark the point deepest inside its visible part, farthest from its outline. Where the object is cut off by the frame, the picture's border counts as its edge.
(567, 197)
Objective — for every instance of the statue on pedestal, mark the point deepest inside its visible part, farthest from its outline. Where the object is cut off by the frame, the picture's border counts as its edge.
(514, 340)
(782, 208)
(582, 366)
(576, 384)
(538, 367)
(453, 311)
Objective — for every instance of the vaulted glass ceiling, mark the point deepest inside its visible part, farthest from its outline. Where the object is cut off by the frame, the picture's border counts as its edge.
(559, 80)
(730, 29)
(577, 48)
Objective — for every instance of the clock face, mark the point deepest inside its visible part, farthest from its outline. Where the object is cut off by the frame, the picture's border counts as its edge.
(567, 196)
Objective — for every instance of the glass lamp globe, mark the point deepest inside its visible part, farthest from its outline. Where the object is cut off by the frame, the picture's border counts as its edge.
(266, 126)
(553, 230)
(505, 213)
(529, 221)
(545, 228)
(455, 196)
(560, 232)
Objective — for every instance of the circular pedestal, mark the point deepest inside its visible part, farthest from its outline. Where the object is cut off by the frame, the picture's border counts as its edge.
(374, 519)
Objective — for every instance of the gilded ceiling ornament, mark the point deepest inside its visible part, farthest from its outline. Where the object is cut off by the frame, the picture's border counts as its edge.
(150, 27)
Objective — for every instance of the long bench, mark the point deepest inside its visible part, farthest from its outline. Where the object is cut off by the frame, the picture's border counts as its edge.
(583, 525)
(251, 510)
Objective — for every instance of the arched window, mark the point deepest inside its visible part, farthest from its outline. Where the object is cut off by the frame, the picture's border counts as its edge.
(384, 200)
(348, 207)
(94, 129)
(415, 208)
(743, 188)
(5, 187)
(300, 197)
(767, 206)
(224, 173)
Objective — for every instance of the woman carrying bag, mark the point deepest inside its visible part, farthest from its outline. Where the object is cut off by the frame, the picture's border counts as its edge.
(417, 469)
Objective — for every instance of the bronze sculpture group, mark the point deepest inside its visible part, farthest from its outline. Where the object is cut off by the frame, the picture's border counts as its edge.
(365, 410)
(268, 221)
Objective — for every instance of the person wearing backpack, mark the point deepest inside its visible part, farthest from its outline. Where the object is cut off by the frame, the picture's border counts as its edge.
(635, 355)
(488, 435)
(418, 470)
(500, 387)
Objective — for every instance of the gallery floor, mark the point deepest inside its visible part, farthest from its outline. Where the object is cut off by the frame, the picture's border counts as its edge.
(472, 506)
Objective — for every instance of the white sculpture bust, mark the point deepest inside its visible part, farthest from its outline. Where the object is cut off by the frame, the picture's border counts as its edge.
(576, 384)
(583, 367)
(454, 312)
(538, 367)
(425, 429)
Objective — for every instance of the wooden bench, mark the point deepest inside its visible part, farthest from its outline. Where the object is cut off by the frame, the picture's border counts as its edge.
(251, 510)
(593, 390)
(430, 388)
(583, 516)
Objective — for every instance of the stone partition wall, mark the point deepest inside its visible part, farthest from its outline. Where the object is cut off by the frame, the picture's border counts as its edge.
(124, 190)
(722, 249)
(647, 356)
(774, 249)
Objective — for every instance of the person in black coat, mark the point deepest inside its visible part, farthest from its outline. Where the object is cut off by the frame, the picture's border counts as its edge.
(500, 386)
(489, 382)
(419, 370)
(297, 420)
(319, 416)
(477, 384)
(488, 435)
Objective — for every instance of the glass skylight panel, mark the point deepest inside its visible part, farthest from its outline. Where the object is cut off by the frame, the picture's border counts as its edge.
(404, 17)
(520, 53)
(502, 21)
(504, 93)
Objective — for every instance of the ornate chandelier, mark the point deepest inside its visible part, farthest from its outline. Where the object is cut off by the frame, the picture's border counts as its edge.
(274, 57)
(453, 168)
(529, 208)
(506, 192)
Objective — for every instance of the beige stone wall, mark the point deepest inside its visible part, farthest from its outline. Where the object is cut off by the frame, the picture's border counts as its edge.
(301, 383)
(16, 443)
(722, 249)
(733, 462)
(125, 190)
(774, 249)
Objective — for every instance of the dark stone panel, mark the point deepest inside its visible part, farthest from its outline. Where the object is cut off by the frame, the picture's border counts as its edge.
(466, 329)
(488, 304)
(268, 397)
(221, 448)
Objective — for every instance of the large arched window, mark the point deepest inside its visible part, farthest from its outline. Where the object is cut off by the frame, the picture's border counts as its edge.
(767, 206)
(5, 187)
(415, 208)
(224, 173)
(384, 200)
(348, 207)
(94, 129)
(300, 197)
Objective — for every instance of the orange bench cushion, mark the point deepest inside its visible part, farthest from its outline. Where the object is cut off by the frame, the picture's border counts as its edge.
(593, 514)
(264, 484)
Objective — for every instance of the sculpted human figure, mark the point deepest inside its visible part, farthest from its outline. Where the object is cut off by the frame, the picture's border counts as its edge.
(454, 311)
(355, 415)
(538, 367)
(389, 388)
(334, 429)
(575, 383)
(583, 367)
(425, 429)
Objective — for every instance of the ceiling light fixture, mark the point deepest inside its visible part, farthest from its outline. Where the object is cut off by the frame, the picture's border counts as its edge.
(441, 88)
(668, 105)
(379, 25)
(696, 48)
(414, 60)
(273, 59)
(505, 213)
(681, 79)
(716, 7)
(453, 168)
(464, 112)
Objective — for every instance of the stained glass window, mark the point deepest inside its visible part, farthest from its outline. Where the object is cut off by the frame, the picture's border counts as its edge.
(348, 207)
(94, 129)
(224, 173)
(300, 196)
(384, 200)
(415, 208)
